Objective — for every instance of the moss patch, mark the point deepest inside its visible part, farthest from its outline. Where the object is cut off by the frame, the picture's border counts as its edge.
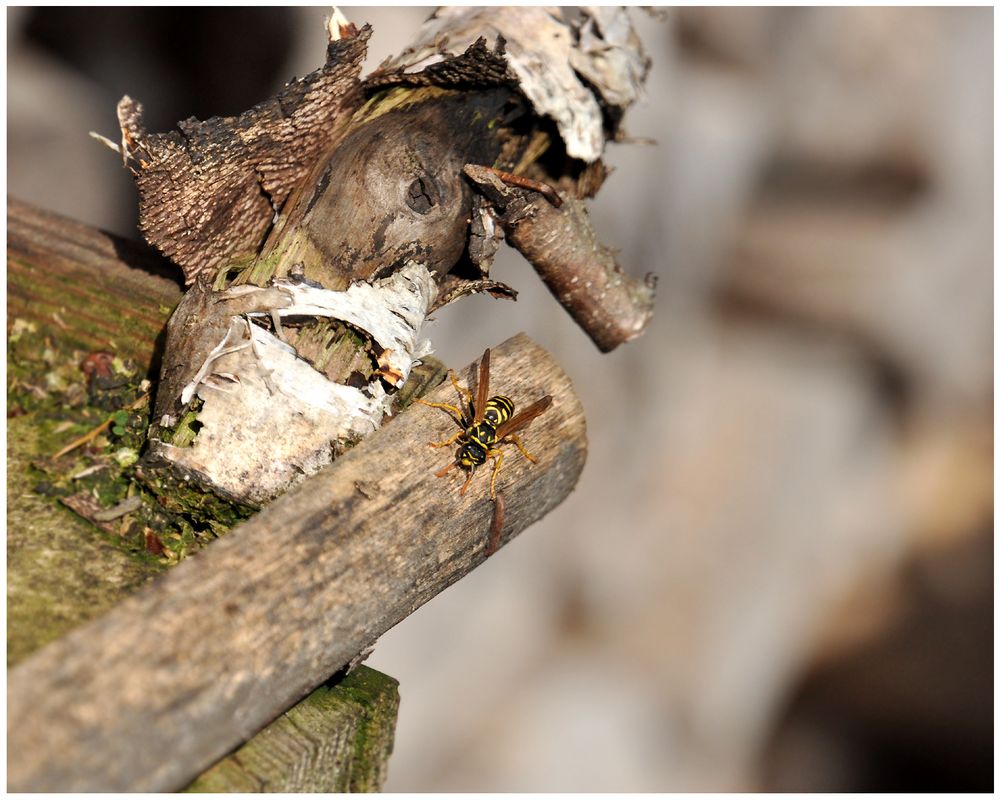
(61, 571)
(101, 404)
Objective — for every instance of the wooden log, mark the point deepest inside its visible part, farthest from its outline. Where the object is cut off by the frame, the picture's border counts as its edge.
(178, 674)
(79, 289)
(64, 278)
(336, 740)
(106, 293)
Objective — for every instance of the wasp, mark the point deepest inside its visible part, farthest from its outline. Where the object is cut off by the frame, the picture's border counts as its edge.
(484, 424)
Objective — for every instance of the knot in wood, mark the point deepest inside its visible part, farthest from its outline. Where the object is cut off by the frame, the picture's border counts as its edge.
(423, 194)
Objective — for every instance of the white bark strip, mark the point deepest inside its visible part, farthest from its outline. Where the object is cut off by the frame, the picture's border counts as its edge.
(391, 310)
(269, 419)
(547, 53)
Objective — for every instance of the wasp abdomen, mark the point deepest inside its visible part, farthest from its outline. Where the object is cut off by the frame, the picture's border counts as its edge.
(498, 410)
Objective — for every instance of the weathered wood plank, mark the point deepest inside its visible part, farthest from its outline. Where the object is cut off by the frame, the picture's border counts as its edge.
(61, 572)
(106, 292)
(336, 740)
(184, 670)
(70, 289)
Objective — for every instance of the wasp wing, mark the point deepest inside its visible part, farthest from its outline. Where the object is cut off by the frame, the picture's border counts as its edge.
(520, 421)
(482, 389)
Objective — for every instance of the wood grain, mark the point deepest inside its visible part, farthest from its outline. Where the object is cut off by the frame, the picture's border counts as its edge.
(336, 740)
(94, 290)
(180, 673)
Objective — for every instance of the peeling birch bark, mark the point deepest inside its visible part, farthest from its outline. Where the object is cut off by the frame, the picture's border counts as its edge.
(547, 52)
(267, 417)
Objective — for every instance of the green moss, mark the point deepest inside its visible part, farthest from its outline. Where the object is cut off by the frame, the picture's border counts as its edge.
(378, 695)
(47, 388)
(184, 432)
(205, 511)
(262, 270)
(61, 570)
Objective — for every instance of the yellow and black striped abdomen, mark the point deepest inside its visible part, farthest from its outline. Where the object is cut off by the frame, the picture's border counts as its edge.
(498, 410)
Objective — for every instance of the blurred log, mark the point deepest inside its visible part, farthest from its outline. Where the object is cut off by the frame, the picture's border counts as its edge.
(92, 289)
(178, 674)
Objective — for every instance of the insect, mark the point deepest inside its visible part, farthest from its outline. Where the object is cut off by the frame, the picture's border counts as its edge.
(485, 423)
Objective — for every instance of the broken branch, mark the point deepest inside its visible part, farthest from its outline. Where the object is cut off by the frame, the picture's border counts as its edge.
(560, 242)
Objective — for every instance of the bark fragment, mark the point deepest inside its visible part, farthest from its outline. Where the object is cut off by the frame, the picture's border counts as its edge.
(267, 417)
(208, 192)
(546, 51)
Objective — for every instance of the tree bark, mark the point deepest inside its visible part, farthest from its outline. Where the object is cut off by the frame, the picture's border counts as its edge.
(355, 192)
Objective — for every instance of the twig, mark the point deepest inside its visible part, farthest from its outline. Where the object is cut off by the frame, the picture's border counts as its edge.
(583, 274)
(521, 182)
(95, 432)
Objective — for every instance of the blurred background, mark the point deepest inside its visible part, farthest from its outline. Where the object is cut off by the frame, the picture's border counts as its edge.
(777, 570)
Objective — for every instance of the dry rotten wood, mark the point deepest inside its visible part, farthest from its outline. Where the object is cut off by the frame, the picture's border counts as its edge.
(178, 674)
(336, 217)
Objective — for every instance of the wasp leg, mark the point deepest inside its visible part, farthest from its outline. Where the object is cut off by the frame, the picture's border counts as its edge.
(496, 526)
(517, 440)
(452, 440)
(465, 394)
(498, 455)
(453, 411)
